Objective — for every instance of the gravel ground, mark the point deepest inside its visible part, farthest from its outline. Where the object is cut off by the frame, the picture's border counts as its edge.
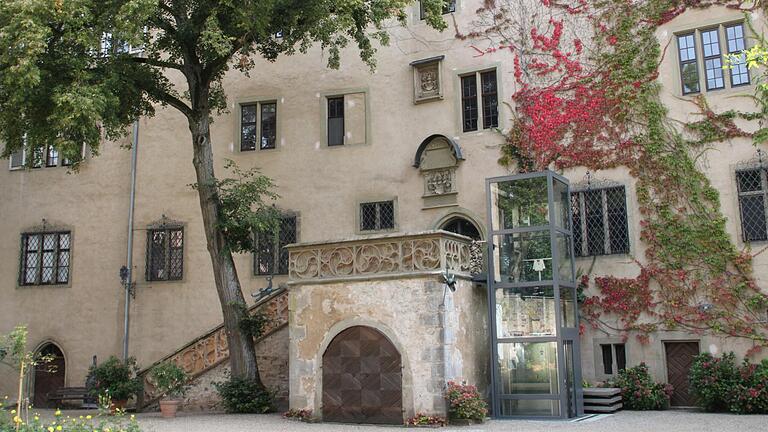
(625, 421)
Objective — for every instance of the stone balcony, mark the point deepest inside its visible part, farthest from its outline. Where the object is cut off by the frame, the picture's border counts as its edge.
(384, 256)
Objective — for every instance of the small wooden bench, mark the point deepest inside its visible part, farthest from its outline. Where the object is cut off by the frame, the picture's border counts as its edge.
(69, 394)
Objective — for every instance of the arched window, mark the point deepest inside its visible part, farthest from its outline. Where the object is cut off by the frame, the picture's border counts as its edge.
(462, 226)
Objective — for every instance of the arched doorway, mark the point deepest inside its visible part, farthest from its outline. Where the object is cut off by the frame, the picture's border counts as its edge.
(49, 376)
(362, 378)
(462, 226)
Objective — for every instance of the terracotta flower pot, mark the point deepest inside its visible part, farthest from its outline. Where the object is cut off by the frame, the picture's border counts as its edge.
(169, 407)
(117, 404)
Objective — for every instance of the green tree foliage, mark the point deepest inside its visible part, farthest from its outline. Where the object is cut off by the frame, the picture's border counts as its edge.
(63, 84)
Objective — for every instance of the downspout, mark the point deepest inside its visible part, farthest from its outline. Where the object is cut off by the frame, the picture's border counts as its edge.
(129, 261)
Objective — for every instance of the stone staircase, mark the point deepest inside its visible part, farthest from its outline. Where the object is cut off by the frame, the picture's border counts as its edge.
(205, 358)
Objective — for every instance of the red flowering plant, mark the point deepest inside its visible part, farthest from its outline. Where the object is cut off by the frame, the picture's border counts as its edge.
(464, 402)
(587, 96)
(640, 392)
(719, 385)
(421, 419)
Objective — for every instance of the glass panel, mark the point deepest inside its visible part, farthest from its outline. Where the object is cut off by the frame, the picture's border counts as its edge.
(522, 257)
(336, 121)
(562, 203)
(568, 306)
(525, 312)
(64, 241)
(565, 271)
(520, 203)
(268, 125)
(469, 110)
(621, 357)
(530, 408)
(569, 378)
(528, 368)
(607, 353)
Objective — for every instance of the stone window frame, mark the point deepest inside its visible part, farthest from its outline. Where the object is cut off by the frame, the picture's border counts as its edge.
(42, 231)
(597, 344)
(166, 224)
(457, 76)
(721, 24)
(324, 96)
(379, 199)
(257, 100)
(276, 252)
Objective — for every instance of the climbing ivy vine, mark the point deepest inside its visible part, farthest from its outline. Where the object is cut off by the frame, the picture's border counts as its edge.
(588, 95)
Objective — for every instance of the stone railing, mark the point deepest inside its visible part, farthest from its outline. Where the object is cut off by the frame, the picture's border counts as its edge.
(211, 349)
(381, 256)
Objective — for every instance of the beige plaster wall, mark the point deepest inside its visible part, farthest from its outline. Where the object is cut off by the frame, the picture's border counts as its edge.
(324, 185)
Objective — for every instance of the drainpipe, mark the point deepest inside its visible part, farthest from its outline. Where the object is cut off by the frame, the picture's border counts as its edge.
(129, 261)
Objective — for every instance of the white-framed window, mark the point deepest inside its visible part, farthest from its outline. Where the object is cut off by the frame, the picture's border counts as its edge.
(701, 56)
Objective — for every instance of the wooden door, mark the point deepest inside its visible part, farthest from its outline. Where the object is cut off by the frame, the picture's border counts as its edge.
(49, 376)
(362, 379)
(679, 361)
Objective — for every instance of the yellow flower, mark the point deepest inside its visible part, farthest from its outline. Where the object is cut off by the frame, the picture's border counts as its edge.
(57, 413)
(37, 418)
(58, 428)
(16, 419)
(133, 417)
(13, 411)
(88, 417)
(50, 428)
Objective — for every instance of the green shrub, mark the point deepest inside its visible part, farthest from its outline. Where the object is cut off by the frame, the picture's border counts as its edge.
(464, 402)
(169, 379)
(719, 385)
(712, 380)
(116, 378)
(639, 391)
(244, 395)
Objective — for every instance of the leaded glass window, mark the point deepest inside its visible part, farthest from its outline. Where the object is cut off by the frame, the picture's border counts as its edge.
(752, 189)
(52, 157)
(165, 254)
(271, 256)
(376, 216)
(45, 258)
(600, 223)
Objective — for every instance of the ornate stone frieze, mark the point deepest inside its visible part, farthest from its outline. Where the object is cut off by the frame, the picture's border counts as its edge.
(380, 256)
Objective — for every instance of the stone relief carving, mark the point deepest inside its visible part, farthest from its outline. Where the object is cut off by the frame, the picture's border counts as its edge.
(379, 257)
(427, 80)
(438, 182)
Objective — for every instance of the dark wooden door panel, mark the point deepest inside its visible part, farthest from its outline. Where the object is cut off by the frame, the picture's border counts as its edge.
(49, 377)
(362, 379)
(680, 357)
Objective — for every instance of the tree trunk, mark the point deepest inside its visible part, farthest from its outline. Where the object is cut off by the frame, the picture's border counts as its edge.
(242, 351)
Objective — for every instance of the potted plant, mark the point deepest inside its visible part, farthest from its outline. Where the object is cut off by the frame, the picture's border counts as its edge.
(116, 380)
(171, 383)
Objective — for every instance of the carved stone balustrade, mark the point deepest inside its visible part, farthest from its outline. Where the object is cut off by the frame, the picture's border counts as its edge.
(391, 255)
